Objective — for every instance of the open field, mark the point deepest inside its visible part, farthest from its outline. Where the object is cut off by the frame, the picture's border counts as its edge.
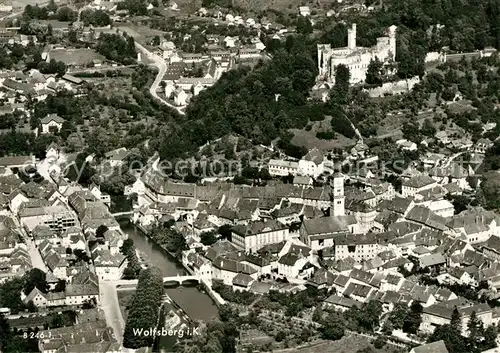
(348, 344)
(309, 140)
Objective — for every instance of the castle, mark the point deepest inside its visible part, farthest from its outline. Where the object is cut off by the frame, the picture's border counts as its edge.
(355, 58)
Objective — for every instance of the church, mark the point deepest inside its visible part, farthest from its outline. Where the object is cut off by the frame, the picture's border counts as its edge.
(355, 58)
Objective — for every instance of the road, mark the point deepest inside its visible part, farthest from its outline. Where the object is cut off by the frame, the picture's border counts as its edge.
(162, 68)
(35, 256)
(109, 304)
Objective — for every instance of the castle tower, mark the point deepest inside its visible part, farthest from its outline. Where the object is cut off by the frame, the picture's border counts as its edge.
(351, 37)
(323, 57)
(392, 42)
(338, 206)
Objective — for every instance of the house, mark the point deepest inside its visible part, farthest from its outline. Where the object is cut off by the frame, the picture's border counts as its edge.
(434, 347)
(482, 145)
(279, 167)
(304, 11)
(319, 233)
(230, 42)
(16, 199)
(242, 282)
(58, 218)
(255, 235)
(78, 294)
(17, 162)
(92, 336)
(292, 264)
(225, 269)
(441, 313)
(37, 297)
(491, 248)
(201, 266)
(417, 184)
(312, 163)
(116, 157)
(6, 6)
(407, 145)
(180, 97)
(108, 266)
(432, 260)
(359, 247)
(341, 303)
(51, 123)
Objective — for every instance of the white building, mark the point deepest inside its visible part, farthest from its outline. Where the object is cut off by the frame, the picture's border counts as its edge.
(355, 58)
(109, 267)
(256, 235)
(304, 11)
(312, 163)
(6, 6)
(50, 123)
(282, 168)
(417, 184)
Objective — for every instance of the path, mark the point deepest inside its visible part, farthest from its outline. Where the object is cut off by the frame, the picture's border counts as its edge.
(109, 304)
(162, 68)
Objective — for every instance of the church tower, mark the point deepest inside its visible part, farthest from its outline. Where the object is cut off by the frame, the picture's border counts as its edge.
(338, 206)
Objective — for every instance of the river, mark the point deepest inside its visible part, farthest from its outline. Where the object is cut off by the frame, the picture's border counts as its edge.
(197, 305)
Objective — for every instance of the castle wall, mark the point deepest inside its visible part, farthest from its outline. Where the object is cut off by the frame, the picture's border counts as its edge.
(392, 88)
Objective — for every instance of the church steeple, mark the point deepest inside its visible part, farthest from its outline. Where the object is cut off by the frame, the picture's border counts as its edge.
(338, 205)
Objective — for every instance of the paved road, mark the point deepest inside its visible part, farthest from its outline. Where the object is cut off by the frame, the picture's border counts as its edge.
(36, 258)
(162, 68)
(109, 304)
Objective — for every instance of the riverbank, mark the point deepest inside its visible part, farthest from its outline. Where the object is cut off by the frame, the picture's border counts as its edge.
(146, 234)
(196, 304)
(216, 298)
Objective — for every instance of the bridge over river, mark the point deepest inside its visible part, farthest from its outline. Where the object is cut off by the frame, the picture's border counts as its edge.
(167, 280)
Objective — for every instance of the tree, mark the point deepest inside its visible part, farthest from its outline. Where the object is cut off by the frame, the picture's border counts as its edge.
(476, 331)
(374, 72)
(413, 319)
(456, 321)
(128, 245)
(490, 336)
(35, 278)
(101, 230)
(5, 333)
(428, 128)
(10, 295)
(398, 316)
(208, 238)
(156, 41)
(379, 342)
(80, 171)
(370, 315)
(143, 313)
(453, 340)
(334, 327)
(341, 88)
(304, 25)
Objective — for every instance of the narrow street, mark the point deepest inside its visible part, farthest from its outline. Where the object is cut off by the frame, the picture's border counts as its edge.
(109, 304)
(36, 258)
